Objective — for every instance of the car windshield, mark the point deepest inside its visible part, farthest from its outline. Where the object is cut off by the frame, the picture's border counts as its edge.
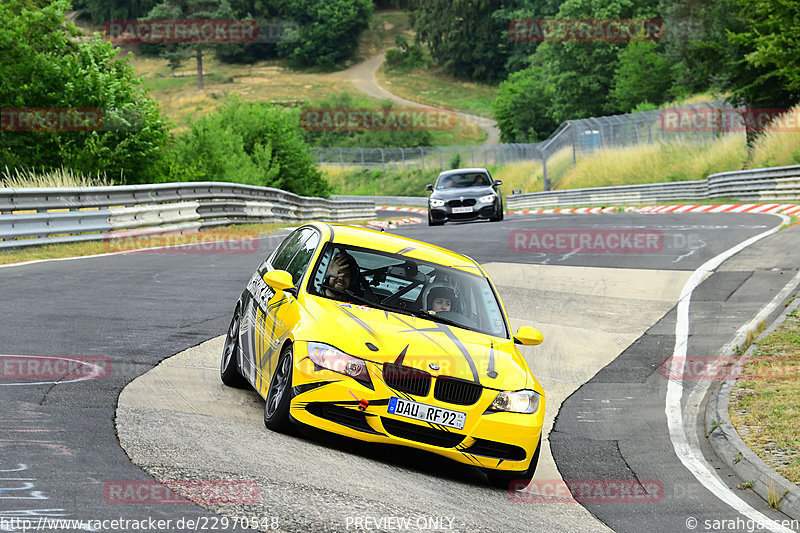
(397, 283)
(460, 181)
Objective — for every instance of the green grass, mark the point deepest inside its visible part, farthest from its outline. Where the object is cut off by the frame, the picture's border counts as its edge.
(435, 88)
(766, 399)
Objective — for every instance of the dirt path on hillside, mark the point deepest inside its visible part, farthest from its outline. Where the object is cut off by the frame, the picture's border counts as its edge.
(364, 78)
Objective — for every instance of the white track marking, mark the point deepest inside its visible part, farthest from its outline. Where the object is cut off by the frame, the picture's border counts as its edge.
(690, 455)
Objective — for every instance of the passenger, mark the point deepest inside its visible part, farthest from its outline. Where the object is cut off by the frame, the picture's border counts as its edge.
(440, 299)
(446, 183)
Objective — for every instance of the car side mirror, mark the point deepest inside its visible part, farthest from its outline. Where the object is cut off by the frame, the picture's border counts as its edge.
(280, 280)
(528, 336)
(429, 187)
(497, 183)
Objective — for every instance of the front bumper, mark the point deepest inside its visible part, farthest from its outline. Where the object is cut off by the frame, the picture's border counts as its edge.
(480, 211)
(330, 401)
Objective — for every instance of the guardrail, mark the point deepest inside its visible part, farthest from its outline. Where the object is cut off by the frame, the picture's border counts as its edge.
(411, 201)
(36, 216)
(777, 184)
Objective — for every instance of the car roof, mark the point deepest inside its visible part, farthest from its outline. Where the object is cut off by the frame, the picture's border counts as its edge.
(395, 244)
(463, 170)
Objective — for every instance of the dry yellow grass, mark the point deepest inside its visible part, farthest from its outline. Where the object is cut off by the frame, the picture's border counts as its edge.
(525, 176)
(778, 146)
(181, 102)
(652, 163)
(17, 178)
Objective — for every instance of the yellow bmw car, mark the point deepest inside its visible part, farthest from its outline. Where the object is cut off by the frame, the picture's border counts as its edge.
(386, 339)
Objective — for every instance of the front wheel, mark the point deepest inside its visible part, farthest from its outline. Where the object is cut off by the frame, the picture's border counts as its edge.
(432, 222)
(276, 411)
(229, 370)
(503, 479)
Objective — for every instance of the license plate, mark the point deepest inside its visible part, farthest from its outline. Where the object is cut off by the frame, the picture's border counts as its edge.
(427, 413)
(467, 209)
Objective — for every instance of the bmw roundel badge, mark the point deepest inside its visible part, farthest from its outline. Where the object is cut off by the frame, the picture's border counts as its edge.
(433, 366)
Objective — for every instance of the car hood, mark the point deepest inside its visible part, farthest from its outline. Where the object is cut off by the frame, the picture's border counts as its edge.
(466, 192)
(437, 348)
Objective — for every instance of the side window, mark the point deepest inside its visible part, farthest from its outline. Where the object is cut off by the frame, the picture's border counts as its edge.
(288, 248)
(297, 267)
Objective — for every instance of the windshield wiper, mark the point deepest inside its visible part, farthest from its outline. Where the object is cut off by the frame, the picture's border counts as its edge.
(437, 318)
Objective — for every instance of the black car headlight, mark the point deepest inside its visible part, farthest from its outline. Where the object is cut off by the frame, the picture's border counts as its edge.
(524, 401)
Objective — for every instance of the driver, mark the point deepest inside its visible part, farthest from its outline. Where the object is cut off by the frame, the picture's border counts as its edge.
(341, 274)
(440, 299)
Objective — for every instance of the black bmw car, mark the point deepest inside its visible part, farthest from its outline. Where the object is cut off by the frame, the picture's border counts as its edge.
(464, 194)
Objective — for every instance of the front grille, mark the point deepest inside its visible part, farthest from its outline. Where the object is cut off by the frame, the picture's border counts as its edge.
(499, 450)
(426, 435)
(341, 415)
(462, 203)
(457, 391)
(407, 379)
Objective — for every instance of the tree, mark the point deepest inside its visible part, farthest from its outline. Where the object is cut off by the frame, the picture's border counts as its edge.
(45, 68)
(463, 36)
(327, 30)
(641, 75)
(775, 27)
(522, 105)
(102, 11)
(254, 143)
(176, 53)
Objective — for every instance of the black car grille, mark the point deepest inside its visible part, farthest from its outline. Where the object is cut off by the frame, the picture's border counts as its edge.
(457, 391)
(341, 415)
(459, 203)
(407, 379)
(488, 448)
(426, 435)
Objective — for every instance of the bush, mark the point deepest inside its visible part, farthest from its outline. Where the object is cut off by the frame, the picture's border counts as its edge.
(328, 30)
(42, 66)
(407, 58)
(252, 143)
(365, 139)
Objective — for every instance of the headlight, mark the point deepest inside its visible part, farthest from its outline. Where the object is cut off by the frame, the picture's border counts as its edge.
(437, 203)
(338, 361)
(489, 198)
(524, 401)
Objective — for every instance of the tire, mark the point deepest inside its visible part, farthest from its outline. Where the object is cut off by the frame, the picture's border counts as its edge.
(432, 222)
(279, 396)
(502, 479)
(229, 370)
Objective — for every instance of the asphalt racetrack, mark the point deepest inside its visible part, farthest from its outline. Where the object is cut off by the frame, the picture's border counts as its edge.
(609, 313)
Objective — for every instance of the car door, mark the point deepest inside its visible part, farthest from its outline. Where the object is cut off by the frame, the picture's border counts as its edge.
(275, 315)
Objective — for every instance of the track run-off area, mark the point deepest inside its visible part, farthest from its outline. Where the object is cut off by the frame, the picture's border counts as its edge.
(622, 299)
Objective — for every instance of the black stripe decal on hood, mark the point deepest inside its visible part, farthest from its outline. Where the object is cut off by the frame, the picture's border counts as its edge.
(360, 322)
(490, 371)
